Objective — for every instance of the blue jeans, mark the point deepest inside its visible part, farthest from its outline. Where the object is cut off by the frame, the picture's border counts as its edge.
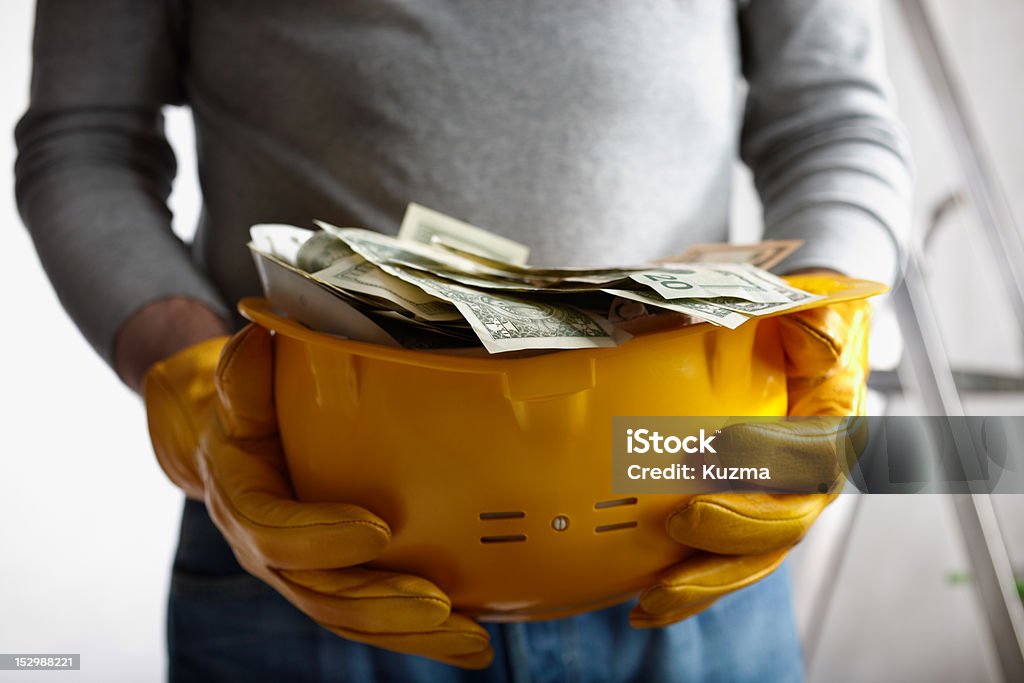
(224, 625)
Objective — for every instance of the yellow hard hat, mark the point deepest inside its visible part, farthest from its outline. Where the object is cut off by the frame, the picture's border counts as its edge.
(495, 473)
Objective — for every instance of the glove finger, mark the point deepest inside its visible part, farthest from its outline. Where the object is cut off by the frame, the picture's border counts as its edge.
(745, 523)
(178, 393)
(815, 340)
(477, 660)
(812, 340)
(366, 600)
(251, 502)
(842, 392)
(638, 618)
(827, 356)
(804, 455)
(245, 384)
(458, 641)
(702, 578)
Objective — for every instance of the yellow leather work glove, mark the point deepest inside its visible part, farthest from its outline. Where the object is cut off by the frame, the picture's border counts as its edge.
(213, 426)
(746, 536)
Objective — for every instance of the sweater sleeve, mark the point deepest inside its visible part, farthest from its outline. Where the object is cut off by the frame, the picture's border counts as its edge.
(94, 169)
(828, 156)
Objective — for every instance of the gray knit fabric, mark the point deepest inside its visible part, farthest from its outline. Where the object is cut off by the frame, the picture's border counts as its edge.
(595, 131)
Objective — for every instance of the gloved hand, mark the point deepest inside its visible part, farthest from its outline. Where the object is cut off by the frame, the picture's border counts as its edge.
(746, 536)
(213, 427)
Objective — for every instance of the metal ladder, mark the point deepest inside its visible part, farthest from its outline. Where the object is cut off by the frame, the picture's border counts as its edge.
(925, 368)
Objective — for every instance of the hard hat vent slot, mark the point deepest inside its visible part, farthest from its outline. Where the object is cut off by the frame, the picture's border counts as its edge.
(615, 527)
(512, 538)
(485, 516)
(614, 503)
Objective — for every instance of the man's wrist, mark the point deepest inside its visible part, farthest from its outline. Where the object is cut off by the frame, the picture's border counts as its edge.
(161, 329)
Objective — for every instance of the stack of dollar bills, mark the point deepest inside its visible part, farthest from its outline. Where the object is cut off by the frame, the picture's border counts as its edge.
(446, 285)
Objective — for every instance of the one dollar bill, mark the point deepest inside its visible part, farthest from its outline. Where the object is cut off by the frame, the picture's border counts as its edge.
(424, 225)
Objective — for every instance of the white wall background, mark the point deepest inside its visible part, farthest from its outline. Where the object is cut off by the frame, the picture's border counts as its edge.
(88, 522)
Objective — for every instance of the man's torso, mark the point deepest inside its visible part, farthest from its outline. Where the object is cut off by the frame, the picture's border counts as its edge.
(594, 132)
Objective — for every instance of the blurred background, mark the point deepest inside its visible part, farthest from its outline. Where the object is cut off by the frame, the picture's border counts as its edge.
(893, 588)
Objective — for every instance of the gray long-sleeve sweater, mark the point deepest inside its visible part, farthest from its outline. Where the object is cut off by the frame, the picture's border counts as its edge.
(595, 131)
